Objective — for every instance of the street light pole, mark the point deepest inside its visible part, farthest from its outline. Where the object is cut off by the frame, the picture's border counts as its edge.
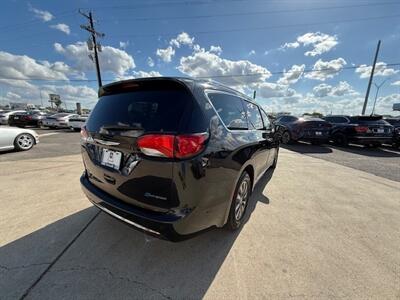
(378, 86)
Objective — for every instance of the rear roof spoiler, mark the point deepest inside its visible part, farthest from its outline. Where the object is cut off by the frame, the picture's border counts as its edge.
(144, 84)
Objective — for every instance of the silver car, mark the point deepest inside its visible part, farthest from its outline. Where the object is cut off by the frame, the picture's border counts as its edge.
(17, 138)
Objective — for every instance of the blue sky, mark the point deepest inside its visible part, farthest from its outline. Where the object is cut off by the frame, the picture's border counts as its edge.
(297, 48)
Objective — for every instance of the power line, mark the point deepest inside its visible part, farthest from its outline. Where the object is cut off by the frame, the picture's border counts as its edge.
(236, 29)
(199, 77)
(262, 27)
(252, 13)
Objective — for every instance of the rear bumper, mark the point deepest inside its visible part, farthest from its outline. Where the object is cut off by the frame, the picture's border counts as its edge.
(371, 139)
(156, 224)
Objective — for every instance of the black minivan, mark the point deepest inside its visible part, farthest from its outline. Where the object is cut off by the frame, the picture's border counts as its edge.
(174, 156)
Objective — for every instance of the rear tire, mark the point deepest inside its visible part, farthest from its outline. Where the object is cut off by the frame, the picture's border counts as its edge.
(286, 138)
(239, 202)
(24, 142)
(340, 139)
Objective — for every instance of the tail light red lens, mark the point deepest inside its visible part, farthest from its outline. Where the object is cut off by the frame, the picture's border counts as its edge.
(189, 145)
(361, 129)
(157, 145)
(171, 146)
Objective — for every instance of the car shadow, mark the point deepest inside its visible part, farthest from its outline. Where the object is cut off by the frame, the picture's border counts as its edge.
(366, 151)
(305, 148)
(113, 260)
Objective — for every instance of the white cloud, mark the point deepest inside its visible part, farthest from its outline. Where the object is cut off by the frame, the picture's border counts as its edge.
(43, 15)
(111, 59)
(124, 45)
(323, 70)
(182, 39)
(320, 43)
(396, 83)
(252, 52)
(272, 90)
(150, 62)
(216, 49)
(166, 54)
(142, 74)
(381, 69)
(207, 64)
(322, 90)
(343, 88)
(62, 27)
(23, 66)
(293, 75)
(290, 46)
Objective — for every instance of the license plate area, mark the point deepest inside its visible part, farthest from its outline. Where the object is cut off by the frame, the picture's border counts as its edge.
(111, 159)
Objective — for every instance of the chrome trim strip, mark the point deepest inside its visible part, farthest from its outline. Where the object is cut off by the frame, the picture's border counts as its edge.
(108, 143)
(125, 220)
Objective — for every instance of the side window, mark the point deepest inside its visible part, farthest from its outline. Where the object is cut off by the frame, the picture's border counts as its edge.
(342, 120)
(230, 109)
(267, 123)
(253, 115)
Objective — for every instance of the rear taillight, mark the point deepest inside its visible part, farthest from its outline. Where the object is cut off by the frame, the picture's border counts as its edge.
(361, 129)
(189, 145)
(171, 146)
(157, 145)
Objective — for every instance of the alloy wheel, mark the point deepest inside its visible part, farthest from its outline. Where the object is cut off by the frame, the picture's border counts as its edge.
(241, 199)
(25, 141)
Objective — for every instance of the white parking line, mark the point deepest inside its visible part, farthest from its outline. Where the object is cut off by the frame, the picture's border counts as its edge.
(48, 134)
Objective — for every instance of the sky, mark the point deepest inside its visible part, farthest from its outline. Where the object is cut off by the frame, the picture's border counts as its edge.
(298, 55)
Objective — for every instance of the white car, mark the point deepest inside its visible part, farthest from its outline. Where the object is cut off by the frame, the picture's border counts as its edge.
(4, 115)
(17, 138)
(76, 123)
(59, 120)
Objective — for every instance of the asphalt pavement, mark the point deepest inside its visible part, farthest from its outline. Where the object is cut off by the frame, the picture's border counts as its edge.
(317, 230)
(383, 161)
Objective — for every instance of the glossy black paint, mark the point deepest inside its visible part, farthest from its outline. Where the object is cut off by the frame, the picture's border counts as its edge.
(395, 122)
(32, 118)
(305, 129)
(343, 128)
(176, 197)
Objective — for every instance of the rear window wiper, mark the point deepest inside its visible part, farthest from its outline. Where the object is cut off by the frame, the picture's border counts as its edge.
(237, 128)
(120, 127)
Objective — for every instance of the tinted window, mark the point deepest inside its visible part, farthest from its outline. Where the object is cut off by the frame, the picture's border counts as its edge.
(368, 120)
(287, 119)
(230, 109)
(267, 123)
(159, 110)
(253, 116)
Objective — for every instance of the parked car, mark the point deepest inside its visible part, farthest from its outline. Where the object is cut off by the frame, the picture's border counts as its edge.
(17, 138)
(59, 120)
(363, 130)
(76, 123)
(314, 130)
(5, 115)
(395, 122)
(29, 118)
(174, 156)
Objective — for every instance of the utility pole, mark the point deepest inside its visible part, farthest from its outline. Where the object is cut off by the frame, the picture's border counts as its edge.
(378, 86)
(370, 78)
(254, 94)
(92, 44)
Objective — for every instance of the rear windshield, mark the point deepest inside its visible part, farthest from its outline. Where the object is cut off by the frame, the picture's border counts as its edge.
(159, 110)
(368, 120)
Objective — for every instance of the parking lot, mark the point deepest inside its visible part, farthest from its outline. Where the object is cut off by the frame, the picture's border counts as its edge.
(325, 225)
